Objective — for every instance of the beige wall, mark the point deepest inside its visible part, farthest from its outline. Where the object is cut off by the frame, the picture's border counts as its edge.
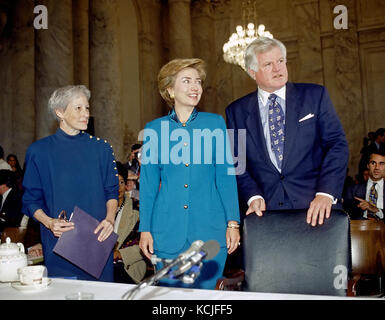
(348, 62)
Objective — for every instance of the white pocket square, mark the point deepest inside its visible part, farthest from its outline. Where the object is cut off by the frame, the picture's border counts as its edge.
(310, 115)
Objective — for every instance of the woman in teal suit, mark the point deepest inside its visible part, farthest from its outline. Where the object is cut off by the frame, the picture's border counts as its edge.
(187, 184)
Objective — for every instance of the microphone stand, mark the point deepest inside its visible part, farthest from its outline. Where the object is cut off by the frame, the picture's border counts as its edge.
(193, 254)
(151, 280)
(195, 271)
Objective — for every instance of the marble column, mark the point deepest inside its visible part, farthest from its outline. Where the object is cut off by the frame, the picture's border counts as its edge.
(23, 82)
(130, 74)
(150, 58)
(203, 41)
(105, 73)
(180, 29)
(349, 102)
(6, 83)
(81, 43)
(309, 41)
(54, 60)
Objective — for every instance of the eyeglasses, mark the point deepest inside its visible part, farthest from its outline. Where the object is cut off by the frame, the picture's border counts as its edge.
(63, 216)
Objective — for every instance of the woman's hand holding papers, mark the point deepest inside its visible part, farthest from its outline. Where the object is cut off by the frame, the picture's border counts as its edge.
(106, 227)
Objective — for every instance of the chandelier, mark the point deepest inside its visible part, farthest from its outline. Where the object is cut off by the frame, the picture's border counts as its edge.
(233, 50)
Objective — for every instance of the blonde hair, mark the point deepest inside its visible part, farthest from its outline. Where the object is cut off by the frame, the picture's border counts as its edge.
(167, 75)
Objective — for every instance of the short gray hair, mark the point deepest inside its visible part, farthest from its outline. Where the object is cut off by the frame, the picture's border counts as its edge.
(61, 97)
(260, 45)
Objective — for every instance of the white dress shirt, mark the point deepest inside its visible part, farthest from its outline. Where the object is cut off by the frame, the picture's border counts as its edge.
(5, 195)
(380, 196)
(4, 165)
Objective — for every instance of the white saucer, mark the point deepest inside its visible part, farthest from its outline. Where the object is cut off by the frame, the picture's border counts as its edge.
(31, 287)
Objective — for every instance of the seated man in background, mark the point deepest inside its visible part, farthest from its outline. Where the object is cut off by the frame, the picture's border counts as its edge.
(376, 143)
(366, 200)
(129, 264)
(10, 205)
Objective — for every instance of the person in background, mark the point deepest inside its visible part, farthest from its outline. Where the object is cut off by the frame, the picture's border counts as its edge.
(132, 181)
(3, 163)
(14, 163)
(133, 163)
(190, 198)
(16, 168)
(366, 200)
(35, 251)
(10, 200)
(67, 169)
(377, 143)
(129, 263)
(132, 188)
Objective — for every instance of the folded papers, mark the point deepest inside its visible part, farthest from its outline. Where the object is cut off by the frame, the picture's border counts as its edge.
(81, 247)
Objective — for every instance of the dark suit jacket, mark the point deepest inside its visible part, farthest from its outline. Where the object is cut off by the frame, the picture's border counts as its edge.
(373, 148)
(350, 204)
(10, 214)
(315, 151)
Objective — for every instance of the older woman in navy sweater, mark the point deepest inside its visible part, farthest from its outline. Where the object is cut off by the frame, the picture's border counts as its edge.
(187, 185)
(66, 169)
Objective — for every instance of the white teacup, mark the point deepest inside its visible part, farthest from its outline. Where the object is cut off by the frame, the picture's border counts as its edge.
(30, 275)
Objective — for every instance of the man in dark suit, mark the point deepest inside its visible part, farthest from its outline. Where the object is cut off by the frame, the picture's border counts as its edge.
(296, 150)
(10, 204)
(133, 162)
(366, 200)
(379, 141)
(378, 144)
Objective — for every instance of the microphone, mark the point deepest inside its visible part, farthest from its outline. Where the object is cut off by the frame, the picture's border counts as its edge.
(208, 251)
(193, 255)
(194, 248)
(154, 260)
(193, 274)
(182, 258)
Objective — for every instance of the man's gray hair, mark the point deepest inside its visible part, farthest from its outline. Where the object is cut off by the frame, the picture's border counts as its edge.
(61, 97)
(260, 45)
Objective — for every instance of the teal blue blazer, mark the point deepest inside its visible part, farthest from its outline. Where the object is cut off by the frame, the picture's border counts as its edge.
(188, 189)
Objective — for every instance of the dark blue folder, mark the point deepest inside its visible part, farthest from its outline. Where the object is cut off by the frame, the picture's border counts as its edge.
(81, 247)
